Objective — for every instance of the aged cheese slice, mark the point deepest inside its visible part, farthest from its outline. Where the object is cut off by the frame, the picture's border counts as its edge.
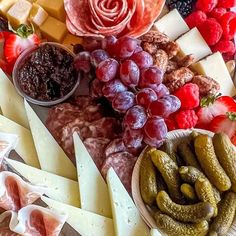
(18, 13)
(5, 6)
(12, 104)
(89, 177)
(25, 147)
(172, 24)
(193, 43)
(51, 156)
(38, 15)
(71, 40)
(155, 232)
(58, 188)
(126, 217)
(214, 67)
(84, 222)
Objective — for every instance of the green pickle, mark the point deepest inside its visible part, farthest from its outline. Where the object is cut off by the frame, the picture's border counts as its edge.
(207, 158)
(186, 213)
(188, 191)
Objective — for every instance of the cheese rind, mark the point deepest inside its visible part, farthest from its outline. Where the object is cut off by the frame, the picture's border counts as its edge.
(51, 156)
(25, 146)
(126, 217)
(89, 178)
(5, 6)
(172, 24)
(84, 222)
(38, 15)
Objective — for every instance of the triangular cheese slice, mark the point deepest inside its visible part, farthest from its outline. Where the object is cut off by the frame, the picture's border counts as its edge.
(58, 188)
(12, 104)
(89, 177)
(84, 222)
(155, 232)
(126, 217)
(51, 156)
(25, 146)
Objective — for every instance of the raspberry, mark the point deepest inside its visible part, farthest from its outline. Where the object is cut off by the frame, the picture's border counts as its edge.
(216, 13)
(226, 3)
(206, 5)
(170, 123)
(186, 119)
(195, 19)
(211, 31)
(228, 23)
(224, 46)
(188, 95)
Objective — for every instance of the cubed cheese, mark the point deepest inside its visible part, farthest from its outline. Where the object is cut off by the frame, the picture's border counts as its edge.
(38, 15)
(193, 43)
(53, 29)
(172, 24)
(18, 13)
(54, 8)
(71, 40)
(5, 6)
(214, 67)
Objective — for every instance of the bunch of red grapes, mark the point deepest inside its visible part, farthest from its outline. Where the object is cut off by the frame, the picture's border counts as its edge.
(126, 76)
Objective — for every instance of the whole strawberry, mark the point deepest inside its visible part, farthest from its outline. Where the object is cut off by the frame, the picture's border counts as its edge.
(186, 119)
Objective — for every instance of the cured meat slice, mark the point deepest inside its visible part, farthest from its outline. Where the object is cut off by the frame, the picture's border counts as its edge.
(16, 193)
(5, 219)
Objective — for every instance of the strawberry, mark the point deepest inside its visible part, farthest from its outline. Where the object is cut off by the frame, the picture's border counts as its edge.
(225, 123)
(17, 42)
(213, 106)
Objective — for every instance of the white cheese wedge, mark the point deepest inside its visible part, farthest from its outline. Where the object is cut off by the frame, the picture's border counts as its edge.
(51, 156)
(84, 222)
(126, 217)
(25, 146)
(5, 5)
(214, 67)
(38, 15)
(155, 232)
(11, 103)
(89, 178)
(172, 24)
(193, 43)
(58, 188)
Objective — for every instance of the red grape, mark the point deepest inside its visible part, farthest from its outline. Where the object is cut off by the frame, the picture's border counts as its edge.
(142, 59)
(98, 56)
(161, 90)
(138, 49)
(108, 44)
(123, 101)
(91, 43)
(155, 128)
(145, 96)
(82, 61)
(135, 118)
(107, 70)
(150, 75)
(111, 88)
(153, 142)
(161, 107)
(129, 73)
(133, 138)
(174, 101)
(96, 88)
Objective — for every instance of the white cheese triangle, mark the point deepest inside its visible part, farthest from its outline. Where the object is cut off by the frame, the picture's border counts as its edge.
(51, 156)
(11, 103)
(25, 146)
(155, 232)
(84, 222)
(93, 188)
(126, 217)
(58, 188)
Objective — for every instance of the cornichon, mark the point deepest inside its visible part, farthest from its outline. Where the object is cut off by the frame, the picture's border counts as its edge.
(225, 217)
(207, 158)
(185, 213)
(169, 171)
(226, 154)
(175, 228)
(188, 191)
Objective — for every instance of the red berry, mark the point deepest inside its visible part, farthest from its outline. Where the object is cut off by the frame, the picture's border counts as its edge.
(195, 19)
(171, 123)
(217, 13)
(211, 31)
(226, 3)
(206, 5)
(228, 23)
(225, 47)
(188, 95)
(186, 119)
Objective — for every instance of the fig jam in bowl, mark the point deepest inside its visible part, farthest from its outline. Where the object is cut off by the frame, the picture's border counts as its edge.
(45, 74)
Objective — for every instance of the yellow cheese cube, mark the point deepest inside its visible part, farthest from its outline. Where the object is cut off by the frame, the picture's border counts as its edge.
(71, 40)
(38, 15)
(54, 8)
(18, 13)
(53, 30)
(5, 5)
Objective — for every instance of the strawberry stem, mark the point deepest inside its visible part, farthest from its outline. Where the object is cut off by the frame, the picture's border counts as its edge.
(24, 31)
(231, 116)
(206, 101)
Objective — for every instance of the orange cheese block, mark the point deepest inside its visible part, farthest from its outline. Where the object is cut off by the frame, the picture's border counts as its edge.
(71, 40)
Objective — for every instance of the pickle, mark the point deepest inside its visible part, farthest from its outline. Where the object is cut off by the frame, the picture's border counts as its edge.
(225, 217)
(216, 195)
(188, 191)
(175, 228)
(207, 158)
(185, 213)
(169, 171)
(193, 135)
(186, 153)
(205, 193)
(226, 155)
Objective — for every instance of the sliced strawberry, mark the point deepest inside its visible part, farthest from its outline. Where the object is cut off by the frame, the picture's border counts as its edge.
(6, 67)
(3, 36)
(213, 106)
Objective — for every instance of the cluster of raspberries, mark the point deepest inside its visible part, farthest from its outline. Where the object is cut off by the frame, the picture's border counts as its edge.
(216, 23)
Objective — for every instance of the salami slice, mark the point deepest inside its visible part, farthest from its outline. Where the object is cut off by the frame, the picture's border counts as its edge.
(4, 225)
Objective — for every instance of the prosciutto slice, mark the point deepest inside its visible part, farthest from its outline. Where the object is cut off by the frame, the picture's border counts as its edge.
(15, 193)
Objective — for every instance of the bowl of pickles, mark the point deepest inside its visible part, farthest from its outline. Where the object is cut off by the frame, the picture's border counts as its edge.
(187, 187)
